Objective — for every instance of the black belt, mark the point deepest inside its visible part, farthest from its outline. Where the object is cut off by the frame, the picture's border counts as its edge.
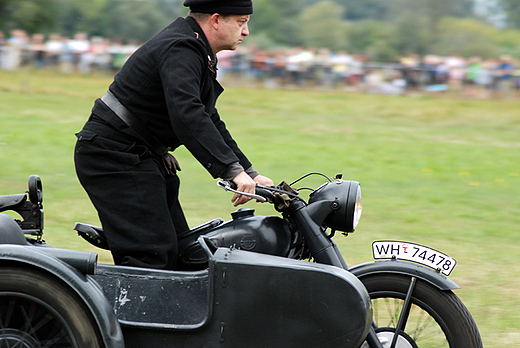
(134, 123)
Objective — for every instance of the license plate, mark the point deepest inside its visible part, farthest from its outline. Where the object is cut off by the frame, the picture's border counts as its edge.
(414, 252)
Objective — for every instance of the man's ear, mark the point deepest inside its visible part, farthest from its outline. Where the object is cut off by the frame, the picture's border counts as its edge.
(215, 20)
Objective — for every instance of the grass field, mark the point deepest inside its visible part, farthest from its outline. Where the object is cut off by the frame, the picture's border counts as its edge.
(435, 171)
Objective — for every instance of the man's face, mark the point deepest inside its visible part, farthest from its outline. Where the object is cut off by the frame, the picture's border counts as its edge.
(232, 31)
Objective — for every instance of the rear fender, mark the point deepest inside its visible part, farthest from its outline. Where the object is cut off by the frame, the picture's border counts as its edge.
(404, 268)
(83, 285)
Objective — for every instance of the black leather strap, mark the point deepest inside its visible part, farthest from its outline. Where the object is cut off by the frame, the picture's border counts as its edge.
(134, 123)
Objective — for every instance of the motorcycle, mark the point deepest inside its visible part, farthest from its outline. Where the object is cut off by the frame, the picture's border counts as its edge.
(252, 281)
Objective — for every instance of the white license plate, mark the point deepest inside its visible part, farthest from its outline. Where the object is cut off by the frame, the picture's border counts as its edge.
(414, 252)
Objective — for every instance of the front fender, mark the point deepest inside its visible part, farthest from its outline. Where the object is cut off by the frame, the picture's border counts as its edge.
(405, 268)
(84, 286)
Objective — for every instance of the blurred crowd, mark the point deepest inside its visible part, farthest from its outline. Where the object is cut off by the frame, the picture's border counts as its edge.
(282, 68)
(298, 67)
(78, 54)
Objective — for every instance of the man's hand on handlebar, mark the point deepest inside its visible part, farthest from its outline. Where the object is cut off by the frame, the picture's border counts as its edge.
(263, 181)
(246, 184)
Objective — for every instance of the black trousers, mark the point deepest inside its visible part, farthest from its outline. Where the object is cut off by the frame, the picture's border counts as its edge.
(137, 201)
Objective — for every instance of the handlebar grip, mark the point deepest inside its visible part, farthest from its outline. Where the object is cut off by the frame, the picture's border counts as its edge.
(261, 193)
(266, 194)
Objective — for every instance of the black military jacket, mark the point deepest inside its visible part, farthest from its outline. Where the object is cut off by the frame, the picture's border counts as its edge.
(170, 84)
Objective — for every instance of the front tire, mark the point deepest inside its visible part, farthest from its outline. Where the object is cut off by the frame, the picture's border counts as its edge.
(38, 311)
(436, 318)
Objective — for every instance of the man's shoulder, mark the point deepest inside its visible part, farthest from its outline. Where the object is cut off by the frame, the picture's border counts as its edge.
(178, 31)
(180, 25)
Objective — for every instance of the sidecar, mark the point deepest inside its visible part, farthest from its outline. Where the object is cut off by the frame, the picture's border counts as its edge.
(64, 298)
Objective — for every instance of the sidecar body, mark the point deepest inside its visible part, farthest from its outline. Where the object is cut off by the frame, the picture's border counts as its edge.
(243, 299)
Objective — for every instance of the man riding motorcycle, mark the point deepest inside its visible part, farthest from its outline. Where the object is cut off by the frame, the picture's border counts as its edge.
(163, 97)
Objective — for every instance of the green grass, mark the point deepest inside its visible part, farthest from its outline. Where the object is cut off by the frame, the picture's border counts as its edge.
(435, 171)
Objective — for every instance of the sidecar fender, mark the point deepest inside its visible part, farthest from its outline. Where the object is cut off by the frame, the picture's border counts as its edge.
(405, 268)
(41, 259)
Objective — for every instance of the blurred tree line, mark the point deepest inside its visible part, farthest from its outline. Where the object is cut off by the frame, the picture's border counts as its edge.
(382, 29)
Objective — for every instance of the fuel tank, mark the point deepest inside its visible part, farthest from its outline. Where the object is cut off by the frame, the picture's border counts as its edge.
(246, 231)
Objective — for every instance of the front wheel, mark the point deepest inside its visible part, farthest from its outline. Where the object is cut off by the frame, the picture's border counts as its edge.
(37, 311)
(424, 316)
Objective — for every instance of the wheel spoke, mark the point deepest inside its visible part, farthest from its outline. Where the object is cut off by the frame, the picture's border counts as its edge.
(423, 322)
(420, 325)
(37, 311)
(393, 309)
(436, 318)
(4, 323)
(28, 315)
(426, 328)
(29, 321)
(57, 337)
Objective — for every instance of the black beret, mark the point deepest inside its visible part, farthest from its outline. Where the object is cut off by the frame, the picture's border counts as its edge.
(237, 7)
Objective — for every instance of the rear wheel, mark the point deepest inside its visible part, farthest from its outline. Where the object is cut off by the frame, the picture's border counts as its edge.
(37, 311)
(424, 316)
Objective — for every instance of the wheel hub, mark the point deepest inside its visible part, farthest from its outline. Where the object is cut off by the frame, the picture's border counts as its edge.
(386, 335)
(17, 338)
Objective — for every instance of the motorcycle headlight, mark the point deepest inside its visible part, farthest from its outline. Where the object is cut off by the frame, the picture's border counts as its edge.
(338, 204)
(358, 206)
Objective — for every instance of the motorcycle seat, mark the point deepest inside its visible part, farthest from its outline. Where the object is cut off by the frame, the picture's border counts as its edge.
(96, 236)
(201, 228)
(92, 234)
(9, 202)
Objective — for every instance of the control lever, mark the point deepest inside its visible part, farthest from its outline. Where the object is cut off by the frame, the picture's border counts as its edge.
(226, 185)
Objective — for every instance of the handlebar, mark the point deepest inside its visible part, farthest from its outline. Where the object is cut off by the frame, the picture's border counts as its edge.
(262, 193)
(279, 196)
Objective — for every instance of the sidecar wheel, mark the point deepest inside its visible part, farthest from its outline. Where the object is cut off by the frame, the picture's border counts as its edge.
(37, 311)
(436, 319)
